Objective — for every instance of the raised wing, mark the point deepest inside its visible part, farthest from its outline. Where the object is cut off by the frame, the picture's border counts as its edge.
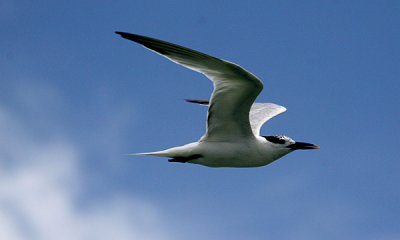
(259, 113)
(235, 89)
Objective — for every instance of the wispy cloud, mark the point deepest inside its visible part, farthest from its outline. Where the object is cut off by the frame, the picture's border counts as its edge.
(41, 182)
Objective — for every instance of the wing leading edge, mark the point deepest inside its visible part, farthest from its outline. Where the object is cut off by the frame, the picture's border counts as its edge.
(235, 89)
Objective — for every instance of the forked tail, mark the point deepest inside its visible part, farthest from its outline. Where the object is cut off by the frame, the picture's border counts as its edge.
(164, 153)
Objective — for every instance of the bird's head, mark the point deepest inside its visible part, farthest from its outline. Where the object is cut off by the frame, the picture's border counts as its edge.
(287, 143)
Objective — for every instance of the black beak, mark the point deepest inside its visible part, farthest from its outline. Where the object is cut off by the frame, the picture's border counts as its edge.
(302, 146)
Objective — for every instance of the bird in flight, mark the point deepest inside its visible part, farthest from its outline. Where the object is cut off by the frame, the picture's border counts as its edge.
(232, 138)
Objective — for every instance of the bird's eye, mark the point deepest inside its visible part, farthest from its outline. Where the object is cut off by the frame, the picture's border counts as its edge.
(276, 139)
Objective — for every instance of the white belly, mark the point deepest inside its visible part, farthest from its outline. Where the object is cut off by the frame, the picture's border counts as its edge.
(235, 154)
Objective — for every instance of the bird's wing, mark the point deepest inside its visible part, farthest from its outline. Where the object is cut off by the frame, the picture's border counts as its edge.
(259, 113)
(262, 112)
(235, 89)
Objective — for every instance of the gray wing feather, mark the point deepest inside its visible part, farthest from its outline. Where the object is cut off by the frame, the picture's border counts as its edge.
(235, 89)
(260, 113)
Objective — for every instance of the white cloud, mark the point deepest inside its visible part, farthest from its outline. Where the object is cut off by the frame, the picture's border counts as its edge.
(40, 183)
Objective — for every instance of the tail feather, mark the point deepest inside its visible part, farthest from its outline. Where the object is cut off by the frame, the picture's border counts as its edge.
(182, 151)
(157, 154)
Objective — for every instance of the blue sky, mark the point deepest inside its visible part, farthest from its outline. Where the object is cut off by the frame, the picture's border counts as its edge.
(76, 98)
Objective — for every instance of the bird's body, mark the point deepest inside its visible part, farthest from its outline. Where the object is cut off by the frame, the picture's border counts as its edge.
(233, 121)
(245, 153)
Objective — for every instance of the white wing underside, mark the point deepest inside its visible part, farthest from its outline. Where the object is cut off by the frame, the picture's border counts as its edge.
(260, 113)
(235, 90)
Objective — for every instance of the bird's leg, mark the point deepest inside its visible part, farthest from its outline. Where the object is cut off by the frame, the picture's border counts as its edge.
(185, 159)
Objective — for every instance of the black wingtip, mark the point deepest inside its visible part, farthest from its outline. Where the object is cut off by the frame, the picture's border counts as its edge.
(202, 102)
(134, 37)
(130, 36)
(122, 34)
